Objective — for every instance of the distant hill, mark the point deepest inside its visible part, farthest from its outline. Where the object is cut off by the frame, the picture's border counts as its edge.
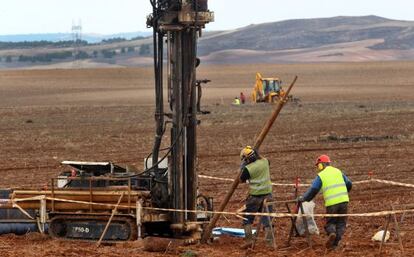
(343, 38)
(336, 39)
(310, 33)
(55, 37)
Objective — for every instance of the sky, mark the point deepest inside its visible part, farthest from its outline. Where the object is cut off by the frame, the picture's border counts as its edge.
(115, 16)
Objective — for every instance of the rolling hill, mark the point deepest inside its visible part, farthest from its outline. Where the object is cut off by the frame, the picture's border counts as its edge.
(336, 39)
(331, 39)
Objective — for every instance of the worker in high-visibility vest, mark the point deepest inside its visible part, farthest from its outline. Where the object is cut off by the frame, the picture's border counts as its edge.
(236, 101)
(335, 187)
(256, 171)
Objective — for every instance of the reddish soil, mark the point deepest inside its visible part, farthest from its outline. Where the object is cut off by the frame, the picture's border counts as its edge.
(362, 115)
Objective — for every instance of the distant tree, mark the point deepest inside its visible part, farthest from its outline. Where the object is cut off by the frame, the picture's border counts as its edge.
(42, 43)
(48, 57)
(9, 59)
(113, 40)
(144, 49)
(95, 54)
(137, 38)
(108, 53)
(123, 50)
(131, 49)
(82, 55)
(42, 58)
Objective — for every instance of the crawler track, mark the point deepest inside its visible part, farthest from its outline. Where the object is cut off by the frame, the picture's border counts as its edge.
(91, 227)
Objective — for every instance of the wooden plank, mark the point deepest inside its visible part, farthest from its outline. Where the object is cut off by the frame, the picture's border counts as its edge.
(80, 192)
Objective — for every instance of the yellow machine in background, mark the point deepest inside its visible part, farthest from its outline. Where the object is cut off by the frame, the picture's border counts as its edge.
(268, 90)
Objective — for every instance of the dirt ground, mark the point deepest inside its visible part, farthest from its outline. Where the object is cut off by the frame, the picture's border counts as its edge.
(361, 114)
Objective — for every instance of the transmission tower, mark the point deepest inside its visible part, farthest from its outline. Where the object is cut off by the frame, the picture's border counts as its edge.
(77, 41)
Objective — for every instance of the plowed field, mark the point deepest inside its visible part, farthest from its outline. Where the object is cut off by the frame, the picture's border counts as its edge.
(361, 114)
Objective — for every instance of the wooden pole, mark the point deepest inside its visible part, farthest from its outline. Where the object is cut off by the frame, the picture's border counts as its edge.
(397, 231)
(109, 221)
(207, 232)
(385, 233)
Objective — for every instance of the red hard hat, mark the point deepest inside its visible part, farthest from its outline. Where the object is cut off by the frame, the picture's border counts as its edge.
(323, 158)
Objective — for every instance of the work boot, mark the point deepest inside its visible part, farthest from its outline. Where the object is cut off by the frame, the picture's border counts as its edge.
(336, 244)
(248, 237)
(269, 236)
(330, 242)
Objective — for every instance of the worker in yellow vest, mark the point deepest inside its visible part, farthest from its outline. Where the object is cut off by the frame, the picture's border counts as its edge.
(255, 171)
(236, 101)
(335, 187)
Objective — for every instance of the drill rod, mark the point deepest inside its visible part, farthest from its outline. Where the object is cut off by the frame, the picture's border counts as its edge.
(207, 232)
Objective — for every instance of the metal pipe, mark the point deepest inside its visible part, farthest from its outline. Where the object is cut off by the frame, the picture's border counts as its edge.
(185, 173)
(139, 218)
(169, 66)
(159, 111)
(43, 214)
(185, 227)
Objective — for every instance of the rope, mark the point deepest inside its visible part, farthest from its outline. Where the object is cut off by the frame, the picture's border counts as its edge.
(306, 184)
(285, 215)
(231, 180)
(388, 182)
(275, 215)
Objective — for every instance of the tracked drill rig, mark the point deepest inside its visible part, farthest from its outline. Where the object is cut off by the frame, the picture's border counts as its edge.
(101, 200)
(178, 23)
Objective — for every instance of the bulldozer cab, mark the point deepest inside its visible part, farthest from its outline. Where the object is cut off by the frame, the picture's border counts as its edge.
(271, 85)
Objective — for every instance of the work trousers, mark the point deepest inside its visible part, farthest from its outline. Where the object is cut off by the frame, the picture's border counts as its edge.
(255, 204)
(336, 225)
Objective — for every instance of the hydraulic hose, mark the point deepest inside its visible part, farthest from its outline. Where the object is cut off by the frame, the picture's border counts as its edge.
(159, 99)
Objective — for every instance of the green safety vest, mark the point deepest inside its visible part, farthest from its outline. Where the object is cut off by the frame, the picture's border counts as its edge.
(333, 186)
(259, 182)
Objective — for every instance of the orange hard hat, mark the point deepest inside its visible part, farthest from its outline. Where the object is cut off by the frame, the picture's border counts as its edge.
(323, 158)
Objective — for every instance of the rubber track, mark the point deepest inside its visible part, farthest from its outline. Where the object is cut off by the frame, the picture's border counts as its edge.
(129, 220)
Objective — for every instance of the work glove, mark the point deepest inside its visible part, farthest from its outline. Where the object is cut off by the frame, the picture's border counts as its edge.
(243, 165)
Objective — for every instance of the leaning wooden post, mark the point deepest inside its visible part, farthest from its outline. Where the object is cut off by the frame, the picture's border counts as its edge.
(207, 232)
(385, 234)
(110, 220)
(397, 230)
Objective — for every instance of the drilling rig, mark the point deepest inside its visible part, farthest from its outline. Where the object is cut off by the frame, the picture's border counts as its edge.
(178, 23)
(101, 200)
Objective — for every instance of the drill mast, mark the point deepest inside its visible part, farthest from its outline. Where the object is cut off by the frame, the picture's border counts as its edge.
(177, 24)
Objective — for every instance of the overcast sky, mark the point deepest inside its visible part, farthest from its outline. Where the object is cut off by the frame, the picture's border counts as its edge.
(114, 16)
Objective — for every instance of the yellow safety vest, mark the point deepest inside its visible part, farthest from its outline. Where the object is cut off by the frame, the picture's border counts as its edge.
(333, 186)
(259, 182)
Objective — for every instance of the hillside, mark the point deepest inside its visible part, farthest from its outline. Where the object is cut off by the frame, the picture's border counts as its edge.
(337, 39)
(366, 38)
(310, 33)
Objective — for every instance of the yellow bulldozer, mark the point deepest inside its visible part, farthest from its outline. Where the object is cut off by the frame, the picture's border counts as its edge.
(267, 90)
